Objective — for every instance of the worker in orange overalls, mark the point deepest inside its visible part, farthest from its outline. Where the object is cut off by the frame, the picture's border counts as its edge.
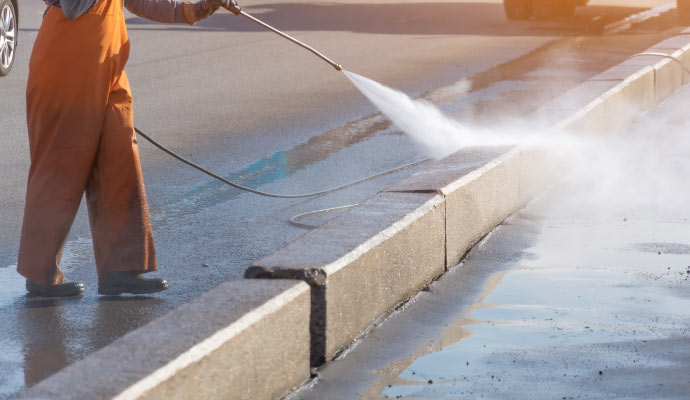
(81, 139)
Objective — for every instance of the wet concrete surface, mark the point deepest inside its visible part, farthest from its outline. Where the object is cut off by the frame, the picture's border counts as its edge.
(584, 294)
(287, 136)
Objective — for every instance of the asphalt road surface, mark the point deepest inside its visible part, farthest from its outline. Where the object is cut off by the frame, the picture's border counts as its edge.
(264, 112)
(584, 294)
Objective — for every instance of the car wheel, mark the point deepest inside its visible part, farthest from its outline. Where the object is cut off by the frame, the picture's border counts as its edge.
(8, 35)
(517, 9)
(547, 9)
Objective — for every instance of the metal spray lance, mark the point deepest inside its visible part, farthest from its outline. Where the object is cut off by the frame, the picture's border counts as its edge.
(237, 10)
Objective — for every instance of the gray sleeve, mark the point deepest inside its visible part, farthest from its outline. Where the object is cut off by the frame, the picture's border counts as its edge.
(74, 9)
(167, 11)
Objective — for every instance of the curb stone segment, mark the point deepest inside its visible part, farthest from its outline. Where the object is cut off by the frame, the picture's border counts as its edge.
(682, 44)
(669, 75)
(621, 72)
(481, 186)
(438, 176)
(610, 111)
(224, 344)
(578, 105)
(362, 264)
(539, 168)
(478, 202)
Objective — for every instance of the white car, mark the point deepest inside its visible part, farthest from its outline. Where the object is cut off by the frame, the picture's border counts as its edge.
(9, 29)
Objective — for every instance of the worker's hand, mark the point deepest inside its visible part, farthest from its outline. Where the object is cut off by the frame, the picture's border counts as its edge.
(232, 6)
(224, 3)
(205, 8)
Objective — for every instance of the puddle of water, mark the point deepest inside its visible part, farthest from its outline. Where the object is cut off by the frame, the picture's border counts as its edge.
(557, 322)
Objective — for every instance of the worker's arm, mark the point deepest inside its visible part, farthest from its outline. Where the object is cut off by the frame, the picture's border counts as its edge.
(171, 11)
(167, 11)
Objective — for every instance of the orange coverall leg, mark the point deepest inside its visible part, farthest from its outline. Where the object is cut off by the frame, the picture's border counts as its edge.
(81, 139)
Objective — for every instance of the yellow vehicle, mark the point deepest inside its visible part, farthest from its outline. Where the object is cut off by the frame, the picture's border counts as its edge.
(544, 9)
(524, 9)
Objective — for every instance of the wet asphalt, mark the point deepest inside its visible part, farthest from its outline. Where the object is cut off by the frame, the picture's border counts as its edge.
(584, 294)
(261, 112)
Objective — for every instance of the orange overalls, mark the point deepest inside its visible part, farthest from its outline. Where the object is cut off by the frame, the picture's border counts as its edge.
(81, 139)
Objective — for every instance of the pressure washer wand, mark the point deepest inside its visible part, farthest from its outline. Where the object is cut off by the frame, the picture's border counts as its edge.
(237, 10)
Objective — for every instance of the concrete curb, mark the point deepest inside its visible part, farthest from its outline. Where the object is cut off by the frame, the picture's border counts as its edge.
(241, 340)
(480, 186)
(365, 262)
(361, 264)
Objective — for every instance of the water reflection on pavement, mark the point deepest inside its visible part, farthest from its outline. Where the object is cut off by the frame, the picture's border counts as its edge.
(591, 316)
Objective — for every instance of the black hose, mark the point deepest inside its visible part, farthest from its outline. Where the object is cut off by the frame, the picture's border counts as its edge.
(279, 196)
(294, 219)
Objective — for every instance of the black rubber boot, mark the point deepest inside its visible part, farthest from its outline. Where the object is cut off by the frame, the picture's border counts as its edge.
(119, 282)
(64, 289)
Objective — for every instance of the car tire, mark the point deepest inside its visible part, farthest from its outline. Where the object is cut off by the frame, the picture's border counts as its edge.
(549, 9)
(9, 29)
(517, 9)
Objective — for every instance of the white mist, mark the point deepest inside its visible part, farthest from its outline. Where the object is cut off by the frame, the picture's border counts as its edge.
(646, 168)
(423, 122)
